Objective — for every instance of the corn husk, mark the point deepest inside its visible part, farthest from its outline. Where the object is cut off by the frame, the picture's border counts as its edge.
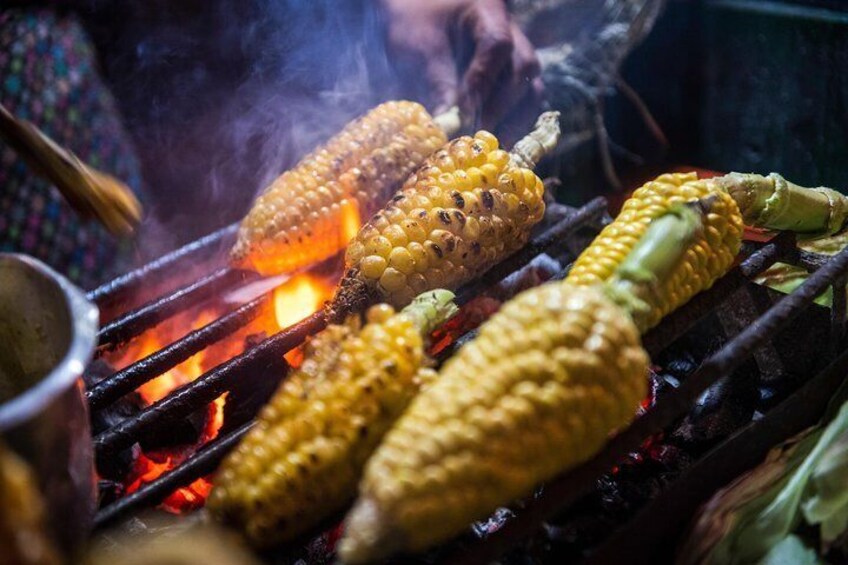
(804, 480)
(786, 278)
(791, 551)
(92, 193)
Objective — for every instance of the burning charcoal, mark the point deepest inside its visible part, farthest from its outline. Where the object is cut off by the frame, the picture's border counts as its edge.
(108, 492)
(723, 408)
(253, 390)
(493, 523)
(681, 367)
(661, 383)
(117, 465)
(185, 431)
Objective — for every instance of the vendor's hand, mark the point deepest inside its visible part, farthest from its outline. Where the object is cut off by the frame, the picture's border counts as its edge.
(503, 72)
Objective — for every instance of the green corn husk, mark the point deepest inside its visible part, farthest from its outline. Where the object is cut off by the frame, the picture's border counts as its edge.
(802, 480)
(791, 551)
(786, 278)
(826, 500)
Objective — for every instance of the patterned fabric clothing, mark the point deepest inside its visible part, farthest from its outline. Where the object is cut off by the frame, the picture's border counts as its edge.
(48, 75)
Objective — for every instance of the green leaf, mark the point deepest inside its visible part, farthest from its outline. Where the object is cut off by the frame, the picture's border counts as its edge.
(791, 551)
(826, 500)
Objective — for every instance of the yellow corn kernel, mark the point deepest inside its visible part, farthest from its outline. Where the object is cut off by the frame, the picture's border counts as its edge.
(705, 261)
(451, 222)
(468, 444)
(311, 212)
(304, 456)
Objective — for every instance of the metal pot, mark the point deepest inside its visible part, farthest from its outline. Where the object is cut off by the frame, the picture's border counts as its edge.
(48, 332)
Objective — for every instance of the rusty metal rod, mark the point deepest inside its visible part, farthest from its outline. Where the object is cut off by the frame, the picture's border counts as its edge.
(168, 268)
(200, 464)
(149, 315)
(565, 489)
(209, 386)
(133, 376)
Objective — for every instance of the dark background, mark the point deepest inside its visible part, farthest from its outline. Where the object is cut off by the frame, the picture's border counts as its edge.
(747, 85)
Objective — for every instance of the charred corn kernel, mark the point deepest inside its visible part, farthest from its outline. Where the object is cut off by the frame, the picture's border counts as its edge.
(469, 206)
(311, 212)
(704, 261)
(549, 377)
(303, 458)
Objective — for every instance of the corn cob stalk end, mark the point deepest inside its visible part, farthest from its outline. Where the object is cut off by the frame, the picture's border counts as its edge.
(529, 150)
(353, 295)
(773, 202)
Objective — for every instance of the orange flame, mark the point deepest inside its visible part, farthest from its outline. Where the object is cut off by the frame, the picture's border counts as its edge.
(296, 299)
(150, 466)
(351, 221)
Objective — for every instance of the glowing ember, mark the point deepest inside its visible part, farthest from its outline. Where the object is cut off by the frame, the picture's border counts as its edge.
(150, 466)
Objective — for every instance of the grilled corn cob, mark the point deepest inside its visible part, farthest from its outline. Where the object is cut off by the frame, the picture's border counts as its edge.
(311, 212)
(304, 457)
(550, 376)
(705, 261)
(767, 202)
(470, 205)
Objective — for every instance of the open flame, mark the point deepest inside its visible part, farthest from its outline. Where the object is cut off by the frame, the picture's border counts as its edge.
(150, 466)
(295, 299)
(299, 297)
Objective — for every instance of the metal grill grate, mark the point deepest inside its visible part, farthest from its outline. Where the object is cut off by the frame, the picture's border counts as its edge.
(558, 494)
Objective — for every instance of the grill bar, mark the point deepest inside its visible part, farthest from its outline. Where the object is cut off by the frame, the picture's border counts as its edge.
(147, 316)
(213, 383)
(565, 489)
(161, 271)
(268, 355)
(127, 380)
(201, 464)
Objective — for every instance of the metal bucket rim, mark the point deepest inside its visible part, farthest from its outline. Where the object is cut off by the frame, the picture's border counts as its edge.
(84, 317)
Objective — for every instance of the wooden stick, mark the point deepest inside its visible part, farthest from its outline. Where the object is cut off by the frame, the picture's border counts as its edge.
(92, 193)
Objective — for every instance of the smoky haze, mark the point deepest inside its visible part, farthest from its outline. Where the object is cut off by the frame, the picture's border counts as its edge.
(220, 97)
